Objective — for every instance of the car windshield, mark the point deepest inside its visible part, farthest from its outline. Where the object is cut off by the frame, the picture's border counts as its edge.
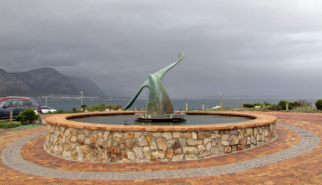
(3, 102)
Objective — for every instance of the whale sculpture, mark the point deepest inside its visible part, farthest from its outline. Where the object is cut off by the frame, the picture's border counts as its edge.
(159, 102)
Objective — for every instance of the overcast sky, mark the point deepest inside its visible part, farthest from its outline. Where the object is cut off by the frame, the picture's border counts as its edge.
(239, 48)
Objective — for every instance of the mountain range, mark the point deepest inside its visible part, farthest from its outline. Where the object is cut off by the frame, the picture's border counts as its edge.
(45, 81)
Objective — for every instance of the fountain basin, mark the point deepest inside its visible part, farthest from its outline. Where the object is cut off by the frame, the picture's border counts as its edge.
(136, 143)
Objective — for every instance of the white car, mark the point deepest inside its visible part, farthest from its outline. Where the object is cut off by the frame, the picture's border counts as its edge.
(45, 109)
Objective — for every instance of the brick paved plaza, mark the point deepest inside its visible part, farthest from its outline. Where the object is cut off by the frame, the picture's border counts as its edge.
(293, 158)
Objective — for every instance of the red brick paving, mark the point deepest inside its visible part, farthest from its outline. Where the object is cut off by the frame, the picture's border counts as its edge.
(303, 169)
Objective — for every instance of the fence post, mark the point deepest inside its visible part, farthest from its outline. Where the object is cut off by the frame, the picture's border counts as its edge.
(144, 108)
(311, 106)
(221, 105)
(242, 105)
(186, 106)
(39, 118)
(286, 105)
(136, 109)
(11, 115)
(264, 105)
(203, 106)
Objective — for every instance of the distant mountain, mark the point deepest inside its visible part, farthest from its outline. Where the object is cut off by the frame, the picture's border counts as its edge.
(45, 81)
(12, 86)
(48, 81)
(87, 85)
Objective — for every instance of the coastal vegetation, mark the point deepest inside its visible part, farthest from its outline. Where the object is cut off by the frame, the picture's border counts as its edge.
(28, 116)
(318, 104)
(103, 107)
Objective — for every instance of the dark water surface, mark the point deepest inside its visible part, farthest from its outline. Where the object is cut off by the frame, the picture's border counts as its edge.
(189, 120)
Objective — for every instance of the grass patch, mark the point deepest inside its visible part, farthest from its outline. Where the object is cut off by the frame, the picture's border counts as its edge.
(28, 126)
(8, 124)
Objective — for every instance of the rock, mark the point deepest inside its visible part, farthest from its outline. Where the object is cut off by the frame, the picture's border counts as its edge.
(131, 155)
(73, 139)
(249, 131)
(170, 143)
(109, 144)
(220, 148)
(99, 135)
(228, 149)
(161, 144)
(142, 141)
(93, 138)
(190, 150)
(240, 135)
(214, 151)
(66, 147)
(158, 154)
(260, 130)
(101, 148)
(119, 156)
(182, 142)
(194, 135)
(124, 154)
(128, 135)
(178, 151)
(240, 148)
(66, 154)
(87, 141)
(225, 143)
(191, 157)
(215, 136)
(176, 145)
(167, 135)
(105, 135)
(193, 142)
(201, 148)
(114, 150)
(108, 154)
(85, 149)
(255, 132)
(234, 140)
(205, 154)
(208, 146)
(215, 142)
(138, 152)
(243, 141)
(130, 143)
(153, 145)
(156, 134)
(178, 157)
(137, 135)
(187, 134)
(101, 157)
(81, 139)
(233, 132)
(100, 141)
(113, 159)
(67, 132)
(206, 140)
(169, 153)
(149, 137)
(122, 146)
(203, 135)
(233, 148)
(146, 151)
(87, 157)
(177, 134)
(117, 136)
(224, 137)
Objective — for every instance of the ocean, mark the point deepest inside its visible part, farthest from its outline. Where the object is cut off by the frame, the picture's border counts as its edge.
(68, 105)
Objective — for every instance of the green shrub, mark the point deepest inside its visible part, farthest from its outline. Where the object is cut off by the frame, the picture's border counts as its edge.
(83, 107)
(258, 104)
(282, 103)
(117, 107)
(60, 111)
(249, 105)
(9, 124)
(27, 116)
(296, 104)
(318, 104)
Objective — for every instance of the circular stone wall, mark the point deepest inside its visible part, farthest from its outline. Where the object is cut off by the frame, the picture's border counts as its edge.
(136, 144)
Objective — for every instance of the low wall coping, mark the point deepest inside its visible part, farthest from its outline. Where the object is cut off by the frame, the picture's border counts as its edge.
(260, 120)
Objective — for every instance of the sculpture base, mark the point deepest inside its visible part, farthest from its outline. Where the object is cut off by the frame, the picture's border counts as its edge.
(156, 117)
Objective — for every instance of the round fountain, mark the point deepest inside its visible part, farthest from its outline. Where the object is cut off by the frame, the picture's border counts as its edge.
(150, 141)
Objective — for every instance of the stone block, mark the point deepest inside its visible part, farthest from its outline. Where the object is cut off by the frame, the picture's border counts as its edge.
(128, 135)
(224, 137)
(142, 141)
(167, 135)
(153, 145)
(130, 143)
(201, 148)
(161, 144)
(169, 153)
(138, 152)
(193, 142)
(190, 150)
(158, 154)
(147, 154)
(117, 136)
(178, 157)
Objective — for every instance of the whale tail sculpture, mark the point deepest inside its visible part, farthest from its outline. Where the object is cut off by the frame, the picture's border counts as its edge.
(159, 101)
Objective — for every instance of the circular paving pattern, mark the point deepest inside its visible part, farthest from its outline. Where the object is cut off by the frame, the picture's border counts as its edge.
(11, 157)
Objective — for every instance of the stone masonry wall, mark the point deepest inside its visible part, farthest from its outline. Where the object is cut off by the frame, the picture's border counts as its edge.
(137, 147)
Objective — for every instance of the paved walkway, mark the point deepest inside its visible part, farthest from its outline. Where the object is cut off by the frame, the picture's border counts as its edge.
(294, 157)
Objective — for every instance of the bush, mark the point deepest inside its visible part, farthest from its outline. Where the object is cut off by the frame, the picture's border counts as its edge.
(60, 111)
(9, 124)
(27, 116)
(318, 104)
(249, 105)
(282, 104)
(117, 107)
(83, 107)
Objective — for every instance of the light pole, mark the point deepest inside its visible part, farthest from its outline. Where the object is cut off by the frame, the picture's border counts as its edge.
(81, 98)
(220, 100)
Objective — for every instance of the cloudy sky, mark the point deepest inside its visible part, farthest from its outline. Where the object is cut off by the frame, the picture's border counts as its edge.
(240, 48)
